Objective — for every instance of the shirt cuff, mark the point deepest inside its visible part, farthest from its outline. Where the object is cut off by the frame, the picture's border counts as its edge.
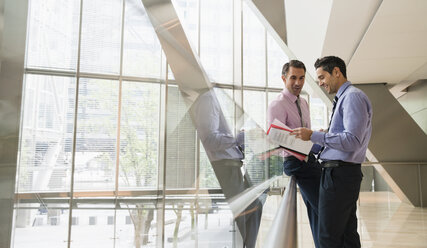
(318, 137)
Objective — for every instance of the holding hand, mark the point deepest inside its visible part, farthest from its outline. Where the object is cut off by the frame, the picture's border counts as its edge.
(302, 133)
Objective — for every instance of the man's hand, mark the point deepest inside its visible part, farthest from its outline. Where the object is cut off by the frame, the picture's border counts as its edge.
(302, 133)
(240, 139)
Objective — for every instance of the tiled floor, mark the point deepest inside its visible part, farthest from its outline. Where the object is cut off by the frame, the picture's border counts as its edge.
(384, 221)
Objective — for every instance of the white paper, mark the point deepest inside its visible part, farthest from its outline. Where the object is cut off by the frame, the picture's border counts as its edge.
(285, 139)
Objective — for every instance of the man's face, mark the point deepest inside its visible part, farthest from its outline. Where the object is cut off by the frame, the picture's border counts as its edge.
(327, 81)
(294, 80)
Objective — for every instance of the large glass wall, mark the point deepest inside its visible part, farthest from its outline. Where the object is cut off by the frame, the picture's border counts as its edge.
(109, 155)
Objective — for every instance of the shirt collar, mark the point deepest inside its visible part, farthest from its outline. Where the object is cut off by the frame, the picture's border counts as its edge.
(289, 95)
(343, 88)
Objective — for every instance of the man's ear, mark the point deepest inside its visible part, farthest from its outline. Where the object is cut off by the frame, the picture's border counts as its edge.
(337, 71)
(284, 78)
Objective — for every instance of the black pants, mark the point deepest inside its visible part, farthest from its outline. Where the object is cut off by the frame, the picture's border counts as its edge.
(308, 179)
(339, 191)
(232, 183)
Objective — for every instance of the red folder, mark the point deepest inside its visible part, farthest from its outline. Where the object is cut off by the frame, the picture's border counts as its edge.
(296, 154)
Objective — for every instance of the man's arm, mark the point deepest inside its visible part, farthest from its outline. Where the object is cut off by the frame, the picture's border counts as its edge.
(355, 120)
(208, 117)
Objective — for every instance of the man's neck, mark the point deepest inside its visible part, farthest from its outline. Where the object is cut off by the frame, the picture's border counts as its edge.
(341, 83)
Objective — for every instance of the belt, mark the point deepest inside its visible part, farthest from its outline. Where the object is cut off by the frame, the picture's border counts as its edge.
(336, 163)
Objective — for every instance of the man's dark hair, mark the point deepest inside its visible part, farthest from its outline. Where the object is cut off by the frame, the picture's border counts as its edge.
(292, 63)
(328, 64)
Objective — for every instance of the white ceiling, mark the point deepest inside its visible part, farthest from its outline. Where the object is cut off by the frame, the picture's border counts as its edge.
(382, 41)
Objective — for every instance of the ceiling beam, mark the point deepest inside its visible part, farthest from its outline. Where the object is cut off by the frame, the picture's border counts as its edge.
(401, 88)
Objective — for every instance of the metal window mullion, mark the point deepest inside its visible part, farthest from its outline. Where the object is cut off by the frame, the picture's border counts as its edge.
(159, 135)
(241, 75)
(164, 156)
(73, 159)
(266, 57)
(119, 112)
(197, 140)
(266, 162)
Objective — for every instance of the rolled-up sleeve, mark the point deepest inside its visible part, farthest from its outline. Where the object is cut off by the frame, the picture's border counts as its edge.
(213, 136)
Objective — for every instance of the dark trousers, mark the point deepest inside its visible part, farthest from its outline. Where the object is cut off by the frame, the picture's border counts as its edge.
(232, 183)
(308, 179)
(339, 191)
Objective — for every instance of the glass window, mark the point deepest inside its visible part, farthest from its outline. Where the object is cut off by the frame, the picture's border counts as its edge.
(95, 162)
(216, 39)
(127, 120)
(207, 177)
(53, 28)
(100, 41)
(39, 226)
(255, 109)
(181, 143)
(91, 228)
(139, 135)
(46, 138)
(318, 114)
(135, 227)
(254, 63)
(276, 59)
(141, 51)
(188, 14)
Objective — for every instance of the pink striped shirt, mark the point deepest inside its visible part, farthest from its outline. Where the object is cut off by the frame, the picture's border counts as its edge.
(284, 109)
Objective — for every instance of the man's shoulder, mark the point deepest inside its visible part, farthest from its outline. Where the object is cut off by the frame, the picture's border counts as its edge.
(355, 93)
(279, 102)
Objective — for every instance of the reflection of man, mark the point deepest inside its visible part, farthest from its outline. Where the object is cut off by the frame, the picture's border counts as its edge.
(292, 110)
(345, 146)
(225, 155)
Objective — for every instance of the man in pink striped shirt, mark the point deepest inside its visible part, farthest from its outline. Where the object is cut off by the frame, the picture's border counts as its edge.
(292, 110)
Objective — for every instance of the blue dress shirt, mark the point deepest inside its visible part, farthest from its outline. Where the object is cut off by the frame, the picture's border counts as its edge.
(351, 127)
(213, 130)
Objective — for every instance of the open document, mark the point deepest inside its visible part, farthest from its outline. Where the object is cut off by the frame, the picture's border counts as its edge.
(280, 135)
(276, 140)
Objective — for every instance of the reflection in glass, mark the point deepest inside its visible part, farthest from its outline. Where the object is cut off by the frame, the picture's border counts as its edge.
(196, 209)
(181, 143)
(207, 178)
(225, 152)
(187, 11)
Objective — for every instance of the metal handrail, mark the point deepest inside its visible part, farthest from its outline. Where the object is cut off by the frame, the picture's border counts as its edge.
(283, 231)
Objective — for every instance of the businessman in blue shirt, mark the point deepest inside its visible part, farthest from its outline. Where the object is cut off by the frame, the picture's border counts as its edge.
(344, 149)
